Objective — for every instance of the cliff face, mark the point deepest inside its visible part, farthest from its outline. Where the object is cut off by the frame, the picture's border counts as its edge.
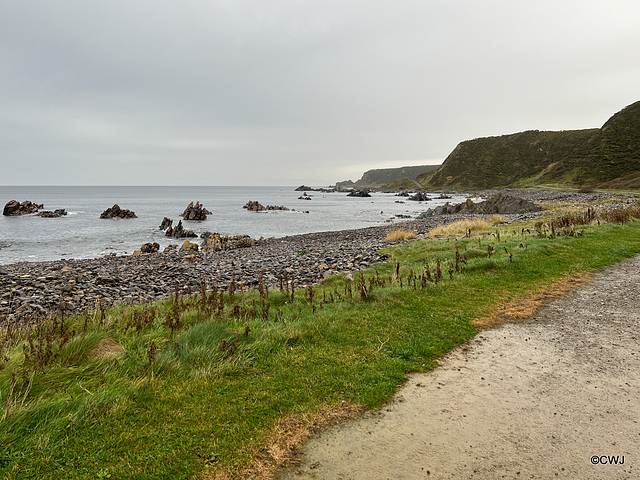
(608, 157)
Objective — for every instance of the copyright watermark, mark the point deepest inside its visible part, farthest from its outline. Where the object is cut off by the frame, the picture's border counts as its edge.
(607, 460)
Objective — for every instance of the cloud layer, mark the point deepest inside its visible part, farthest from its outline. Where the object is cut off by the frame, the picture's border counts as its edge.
(250, 92)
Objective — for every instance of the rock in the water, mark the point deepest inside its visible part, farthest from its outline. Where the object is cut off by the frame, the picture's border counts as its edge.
(304, 196)
(166, 223)
(117, 212)
(254, 206)
(358, 193)
(14, 208)
(419, 197)
(179, 232)
(195, 212)
(60, 212)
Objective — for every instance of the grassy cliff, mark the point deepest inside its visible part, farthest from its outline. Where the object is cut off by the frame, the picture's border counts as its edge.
(384, 176)
(608, 157)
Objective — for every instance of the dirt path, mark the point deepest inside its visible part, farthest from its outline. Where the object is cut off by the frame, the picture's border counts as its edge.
(534, 399)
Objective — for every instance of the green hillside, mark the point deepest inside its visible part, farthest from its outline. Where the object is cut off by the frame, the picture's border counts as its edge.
(608, 157)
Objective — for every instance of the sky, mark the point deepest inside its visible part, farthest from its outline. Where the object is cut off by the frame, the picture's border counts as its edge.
(286, 92)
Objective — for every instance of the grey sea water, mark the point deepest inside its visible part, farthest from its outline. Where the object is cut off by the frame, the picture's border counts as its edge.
(82, 234)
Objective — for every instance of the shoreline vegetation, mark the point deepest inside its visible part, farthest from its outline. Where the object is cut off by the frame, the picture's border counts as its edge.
(225, 378)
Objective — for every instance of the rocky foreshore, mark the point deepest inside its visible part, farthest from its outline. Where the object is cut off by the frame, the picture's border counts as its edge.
(29, 290)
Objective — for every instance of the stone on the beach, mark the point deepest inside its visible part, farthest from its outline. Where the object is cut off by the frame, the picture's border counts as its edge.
(188, 247)
(60, 212)
(14, 208)
(195, 212)
(216, 242)
(117, 212)
(150, 247)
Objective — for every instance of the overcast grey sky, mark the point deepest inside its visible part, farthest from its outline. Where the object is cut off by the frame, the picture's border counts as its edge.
(255, 92)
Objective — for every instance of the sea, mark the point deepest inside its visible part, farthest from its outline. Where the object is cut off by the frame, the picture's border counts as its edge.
(82, 234)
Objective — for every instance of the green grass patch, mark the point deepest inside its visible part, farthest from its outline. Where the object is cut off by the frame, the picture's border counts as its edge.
(195, 385)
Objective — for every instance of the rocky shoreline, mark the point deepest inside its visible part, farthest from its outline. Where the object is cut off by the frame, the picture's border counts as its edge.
(31, 290)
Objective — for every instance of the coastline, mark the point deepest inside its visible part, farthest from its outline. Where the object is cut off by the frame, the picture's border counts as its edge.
(29, 291)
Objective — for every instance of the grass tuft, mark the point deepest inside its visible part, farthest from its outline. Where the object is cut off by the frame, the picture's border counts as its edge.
(400, 235)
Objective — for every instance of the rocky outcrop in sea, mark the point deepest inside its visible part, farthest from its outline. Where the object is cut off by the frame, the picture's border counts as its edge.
(15, 208)
(195, 212)
(117, 212)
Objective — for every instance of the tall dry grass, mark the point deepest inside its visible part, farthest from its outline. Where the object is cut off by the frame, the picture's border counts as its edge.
(400, 235)
(462, 226)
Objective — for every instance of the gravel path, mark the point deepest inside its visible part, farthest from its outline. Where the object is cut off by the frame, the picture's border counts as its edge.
(549, 397)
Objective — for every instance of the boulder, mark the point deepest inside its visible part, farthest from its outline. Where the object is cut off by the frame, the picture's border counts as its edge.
(195, 212)
(15, 208)
(216, 242)
(150, 247)
(304, 196)
(60, 212)
(117, 212)
(188, 247)
(498, 204)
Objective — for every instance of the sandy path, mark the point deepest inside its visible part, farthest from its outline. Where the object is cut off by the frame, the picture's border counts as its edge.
(535, 399)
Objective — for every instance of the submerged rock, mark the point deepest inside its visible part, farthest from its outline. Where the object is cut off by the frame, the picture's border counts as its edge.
(60, 212)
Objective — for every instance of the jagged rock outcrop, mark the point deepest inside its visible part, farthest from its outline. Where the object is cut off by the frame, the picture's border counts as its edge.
(195, 212)
(60, 212)
(254, 206)
(117, 212)
(14, 208)
(358, 193)
(166, 223)
(498, 204)
(304, 196)
(179, 231)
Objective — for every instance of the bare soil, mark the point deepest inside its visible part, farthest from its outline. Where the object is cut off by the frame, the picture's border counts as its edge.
(533, 399)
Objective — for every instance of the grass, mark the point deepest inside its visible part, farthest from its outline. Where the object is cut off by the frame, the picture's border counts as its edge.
(226, 385)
